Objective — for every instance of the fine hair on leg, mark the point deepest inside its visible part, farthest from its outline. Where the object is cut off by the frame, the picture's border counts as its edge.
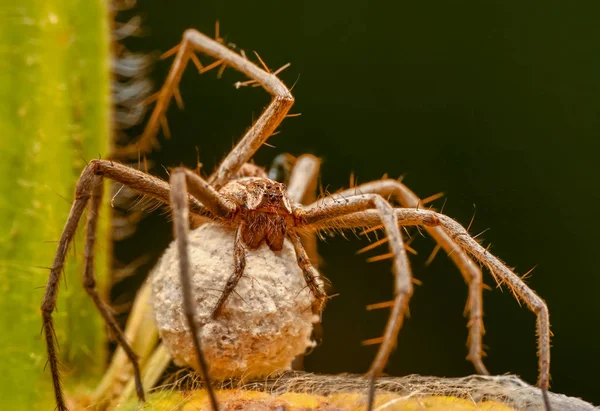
(194, 41)
(469, 270)
(311, 275)
(239, 263)
(329, 208)
(89, 189)
(302, 189)
(501, 273)
(181, 230)
(89, 281)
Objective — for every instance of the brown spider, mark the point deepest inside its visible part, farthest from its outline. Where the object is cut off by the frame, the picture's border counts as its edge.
(260, 210)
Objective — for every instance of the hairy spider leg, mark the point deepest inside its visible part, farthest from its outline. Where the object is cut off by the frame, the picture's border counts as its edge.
(281, 168)
(469, 270)
(330, 208)
(302, 189)
(89, 189)
(239, 264)
(311, 275)
(182, 180)
(260, 131)
(501, 273)
(301, 176)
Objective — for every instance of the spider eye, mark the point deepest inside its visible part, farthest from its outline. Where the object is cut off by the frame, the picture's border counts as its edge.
(268, 186)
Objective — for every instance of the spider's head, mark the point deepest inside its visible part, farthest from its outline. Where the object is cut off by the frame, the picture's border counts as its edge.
(268, 196)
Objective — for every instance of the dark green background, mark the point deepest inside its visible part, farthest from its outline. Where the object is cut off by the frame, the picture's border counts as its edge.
(495, 103)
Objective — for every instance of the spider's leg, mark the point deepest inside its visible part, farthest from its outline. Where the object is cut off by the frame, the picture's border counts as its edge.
(181, 227)
(201, 190)
(330, 208)
(469, 270)
(239, 263)
(302, 184)
(88, 186)
(89, 281)
(301, 180)
(145, 184)
(181, 180)
(259, 132)
(142, 334)
(311, 275)
(302, 188)
(281, 167)
(155, 366)
(501, 272)
(84, 187)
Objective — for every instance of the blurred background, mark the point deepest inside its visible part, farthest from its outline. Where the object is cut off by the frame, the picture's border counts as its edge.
(493, 103)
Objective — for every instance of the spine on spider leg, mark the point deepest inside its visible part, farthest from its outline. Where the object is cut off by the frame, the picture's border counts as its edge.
(54, 115)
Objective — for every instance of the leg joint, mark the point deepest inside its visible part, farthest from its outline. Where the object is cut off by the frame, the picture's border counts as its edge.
(47, 309)
(432, 220)
(539, 307)
(288, 99)
(89, 284)
(189, 35)
(96, 166)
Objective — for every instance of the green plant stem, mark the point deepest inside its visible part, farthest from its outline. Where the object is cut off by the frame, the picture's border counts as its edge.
(54, 116)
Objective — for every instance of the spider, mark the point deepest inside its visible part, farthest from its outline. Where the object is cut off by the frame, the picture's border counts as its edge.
(259, 210)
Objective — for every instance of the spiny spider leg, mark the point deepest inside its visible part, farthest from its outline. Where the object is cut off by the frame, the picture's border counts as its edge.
(281, 168)
(301, 176)
(469, 270)
(329, 209)
(501, 273)
(260, 131)
(311, 275)
(84, 188)
(301, 189)
(89, 281)
(239, 263)
(204, 192)
(303, 179)
(180, 179)
(89, 188)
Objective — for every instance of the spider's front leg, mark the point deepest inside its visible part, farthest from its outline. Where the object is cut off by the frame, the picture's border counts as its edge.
(502, 274)
(89, 281)
(183, 180)
(193, 41)
(85, 187)
(469, 270)
(89, 189)
(334, 208)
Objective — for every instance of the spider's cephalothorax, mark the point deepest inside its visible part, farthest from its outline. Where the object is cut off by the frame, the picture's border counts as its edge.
(261, 210)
